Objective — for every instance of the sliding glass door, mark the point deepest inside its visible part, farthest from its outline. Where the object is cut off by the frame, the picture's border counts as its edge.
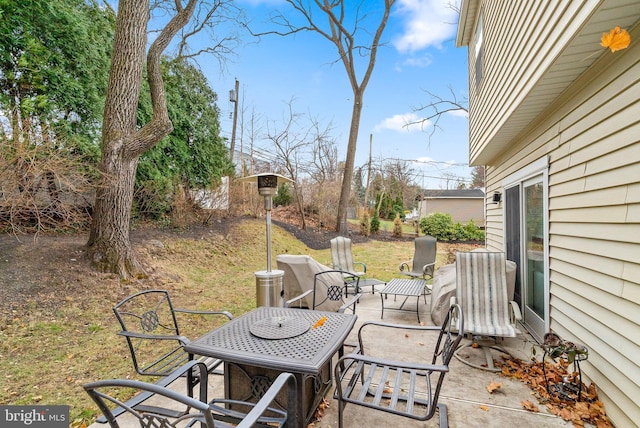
(525, 223)
(533, 267)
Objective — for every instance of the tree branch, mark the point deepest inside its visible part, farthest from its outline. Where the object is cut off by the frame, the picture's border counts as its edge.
(438, 107)
(160, 125)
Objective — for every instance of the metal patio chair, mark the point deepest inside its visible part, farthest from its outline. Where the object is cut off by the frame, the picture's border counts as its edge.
(155, 405)
(329, 293)
(342, 259)
(150, 326)
(410, 389)
(481, 291)
(424, 258)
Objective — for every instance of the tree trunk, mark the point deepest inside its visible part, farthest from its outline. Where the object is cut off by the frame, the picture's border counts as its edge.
(109, 246)
(347, 177)
(122, 143)
(300, 203)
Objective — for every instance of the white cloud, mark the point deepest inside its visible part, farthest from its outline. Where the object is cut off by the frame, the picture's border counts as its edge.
(419, 61)
(426, 23)
(402, 123)
(423, 160)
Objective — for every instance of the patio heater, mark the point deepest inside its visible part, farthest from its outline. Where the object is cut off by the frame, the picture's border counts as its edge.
(269, 283)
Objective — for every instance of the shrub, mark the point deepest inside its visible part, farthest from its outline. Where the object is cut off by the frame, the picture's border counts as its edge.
(442, 227)
(474, 233)
(374, 227)
(364, 224)
(438, 225)
(397, 225)
(283, 197)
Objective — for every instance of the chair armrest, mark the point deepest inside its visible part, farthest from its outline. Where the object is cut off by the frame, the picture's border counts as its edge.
(426, 267)
(284, 379)
(297, 298)
(405, 266)
(160, 387)
(364, 266)
(432, 328)
(514, 314)
(197, 312)
(351, 302)
(389, 363)
(183, 340)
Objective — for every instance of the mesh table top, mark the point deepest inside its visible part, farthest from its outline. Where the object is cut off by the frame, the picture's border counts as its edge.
(304, 353)
(405, 287)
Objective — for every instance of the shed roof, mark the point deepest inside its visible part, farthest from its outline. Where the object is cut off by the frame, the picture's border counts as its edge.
(454, 193)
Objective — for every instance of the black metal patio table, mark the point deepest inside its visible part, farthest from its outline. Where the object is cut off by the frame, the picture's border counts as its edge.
(267, 341)
(404, 287)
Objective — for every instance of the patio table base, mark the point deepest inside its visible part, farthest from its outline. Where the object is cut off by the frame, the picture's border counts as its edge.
(249, 383)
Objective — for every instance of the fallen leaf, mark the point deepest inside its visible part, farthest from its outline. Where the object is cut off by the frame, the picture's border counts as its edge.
(406, 335)
(616, 39)
(475, 345)
(320, 322)
(494, 386)
(528, 405)
(484, 408)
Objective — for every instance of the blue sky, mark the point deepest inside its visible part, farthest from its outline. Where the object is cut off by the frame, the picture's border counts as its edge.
(419, 56)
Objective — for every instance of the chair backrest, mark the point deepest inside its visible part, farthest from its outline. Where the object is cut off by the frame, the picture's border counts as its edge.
(173, 408)
(150, 313)
(481, 291)
(425, 250)
(341, 255)
(299, 271)
(451, 333)
(329, 291)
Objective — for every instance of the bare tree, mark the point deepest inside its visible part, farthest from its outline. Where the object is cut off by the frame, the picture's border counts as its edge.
(123, 142)
(436, 108)
(290, 144)
(324, 164)
(342, 31)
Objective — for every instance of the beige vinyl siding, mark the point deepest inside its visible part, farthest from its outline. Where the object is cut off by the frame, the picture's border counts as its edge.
(521, 40)
(461, 209)
(592, 137)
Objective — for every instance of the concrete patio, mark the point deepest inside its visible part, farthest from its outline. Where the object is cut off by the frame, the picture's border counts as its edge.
(464, 390)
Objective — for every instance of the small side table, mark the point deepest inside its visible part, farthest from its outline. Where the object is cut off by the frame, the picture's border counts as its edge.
(404, 287)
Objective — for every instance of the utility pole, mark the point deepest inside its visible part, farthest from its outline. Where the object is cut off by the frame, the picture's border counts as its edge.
(233, 97)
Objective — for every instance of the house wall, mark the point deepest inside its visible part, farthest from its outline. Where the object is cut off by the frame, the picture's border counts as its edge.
(515, 33)
(461, 209)
(591, 136)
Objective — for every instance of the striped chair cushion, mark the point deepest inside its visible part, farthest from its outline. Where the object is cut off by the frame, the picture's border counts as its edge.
(482, 293)
(341, 255)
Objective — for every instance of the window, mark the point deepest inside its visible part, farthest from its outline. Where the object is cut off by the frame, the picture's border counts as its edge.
(478, 50)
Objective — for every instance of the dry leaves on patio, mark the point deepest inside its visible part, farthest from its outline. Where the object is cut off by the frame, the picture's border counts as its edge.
(319, 413)
(589, 409)
(493, 386)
